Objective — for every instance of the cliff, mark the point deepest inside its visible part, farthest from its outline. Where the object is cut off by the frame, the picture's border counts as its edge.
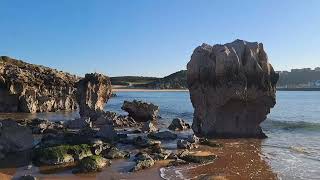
(32, 88)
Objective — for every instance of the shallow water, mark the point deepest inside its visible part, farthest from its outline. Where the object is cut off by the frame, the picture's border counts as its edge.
(293, 126)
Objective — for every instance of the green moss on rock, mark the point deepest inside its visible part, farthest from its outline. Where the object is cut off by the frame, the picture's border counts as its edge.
(62, 154)
(92, 164)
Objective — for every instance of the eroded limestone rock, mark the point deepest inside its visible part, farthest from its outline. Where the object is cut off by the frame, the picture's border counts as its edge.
(141, 111)
(93, 91)
(32, 88)
(232, 88)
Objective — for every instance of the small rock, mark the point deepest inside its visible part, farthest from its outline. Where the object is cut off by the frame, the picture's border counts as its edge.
(207, 142)
(178, 124)
(115, 153)
(92, 164)
(164, 135)
(149, 127)
(107, 132)
(193, 139)
(184, 144)
(79, 123)
(177, 162)
(144, 142)
(143, 161)
(196, 158)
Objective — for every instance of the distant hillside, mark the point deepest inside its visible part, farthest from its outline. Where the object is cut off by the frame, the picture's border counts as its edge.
(297, 78)
(131, 80)
(177, 80)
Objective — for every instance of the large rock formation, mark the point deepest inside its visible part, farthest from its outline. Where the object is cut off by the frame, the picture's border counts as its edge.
(232, 88)
(93, 91)
(141, 111)
(30, 88)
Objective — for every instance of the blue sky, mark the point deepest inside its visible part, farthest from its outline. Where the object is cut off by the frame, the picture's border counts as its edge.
(154, 37)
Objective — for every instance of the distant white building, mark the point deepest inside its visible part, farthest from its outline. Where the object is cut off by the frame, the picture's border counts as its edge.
(317, 83)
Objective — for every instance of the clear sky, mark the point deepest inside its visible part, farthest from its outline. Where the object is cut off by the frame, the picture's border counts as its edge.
(154, 37)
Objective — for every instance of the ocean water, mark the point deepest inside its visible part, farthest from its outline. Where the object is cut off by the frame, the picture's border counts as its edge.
(293, 127)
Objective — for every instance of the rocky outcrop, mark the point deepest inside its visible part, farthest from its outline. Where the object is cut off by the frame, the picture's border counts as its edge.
(93, 91)
(141, 111)
(31, 88)
(14, 138)
(163, 135)
(232, 88)
(178, 124)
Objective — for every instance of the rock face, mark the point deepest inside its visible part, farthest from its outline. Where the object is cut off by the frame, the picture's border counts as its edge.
(14, 138)
(93, 91)
(141, 111)
(30, 88)
(232, 88)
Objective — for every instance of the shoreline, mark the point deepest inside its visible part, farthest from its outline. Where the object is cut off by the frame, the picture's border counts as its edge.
(186, 90)
(148, 90)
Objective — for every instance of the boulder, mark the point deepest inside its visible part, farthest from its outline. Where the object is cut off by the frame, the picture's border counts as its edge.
(164, 135)
(178, 124)
(31, 88)
(194, 158)
(149, 127)
(14, 137)
(92, 164)
(193, 139)
(79, 123)
(115, 153)
(232, 88)
(93, 91)
(141, 111)
(115, 119)
(107, 132)
(143, 161)
(143, 142)
(184, 144)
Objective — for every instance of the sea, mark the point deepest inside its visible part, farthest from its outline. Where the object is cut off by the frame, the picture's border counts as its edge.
(292, 148)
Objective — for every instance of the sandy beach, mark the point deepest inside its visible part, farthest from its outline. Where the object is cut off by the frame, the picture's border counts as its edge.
(127, 89)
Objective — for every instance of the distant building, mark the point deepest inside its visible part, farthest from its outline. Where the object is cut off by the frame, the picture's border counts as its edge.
(317, 69)
(317, 83)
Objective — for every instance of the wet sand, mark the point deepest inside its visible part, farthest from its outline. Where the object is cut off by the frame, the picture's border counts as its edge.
(237, 159)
